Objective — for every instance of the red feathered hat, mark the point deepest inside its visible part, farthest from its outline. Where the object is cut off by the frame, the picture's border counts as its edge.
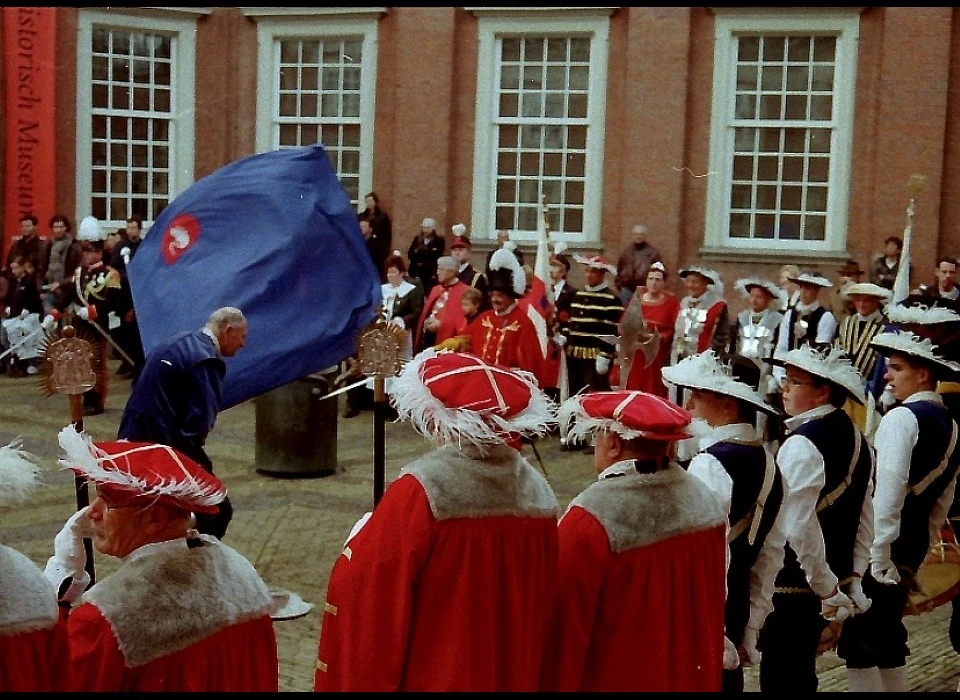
(142, 469)
(631, 414)
(459, 398)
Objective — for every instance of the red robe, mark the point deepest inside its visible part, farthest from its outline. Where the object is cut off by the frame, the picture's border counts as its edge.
(445, 302)
(641, 587)
(509, 341)
(143, 630)
(449, 585)
(662, 317)
(33, 639)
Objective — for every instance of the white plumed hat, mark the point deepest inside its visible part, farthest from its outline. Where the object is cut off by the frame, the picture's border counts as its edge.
(90, 230)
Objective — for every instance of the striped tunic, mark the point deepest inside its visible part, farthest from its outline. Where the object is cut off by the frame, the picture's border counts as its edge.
(593, 313)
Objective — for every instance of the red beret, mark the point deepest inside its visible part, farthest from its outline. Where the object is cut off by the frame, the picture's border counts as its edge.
(631, 414)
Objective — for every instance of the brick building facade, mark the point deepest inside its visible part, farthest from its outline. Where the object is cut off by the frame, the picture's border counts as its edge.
(744, 138)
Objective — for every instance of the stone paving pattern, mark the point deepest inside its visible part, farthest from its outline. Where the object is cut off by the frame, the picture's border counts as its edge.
(292, 529)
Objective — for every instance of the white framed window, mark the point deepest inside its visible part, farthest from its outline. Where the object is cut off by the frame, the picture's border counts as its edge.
(135, 114)
(782, 129)
(541, 110)
(317, 84)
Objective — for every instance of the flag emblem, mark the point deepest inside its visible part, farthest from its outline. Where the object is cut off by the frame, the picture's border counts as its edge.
(179, 236)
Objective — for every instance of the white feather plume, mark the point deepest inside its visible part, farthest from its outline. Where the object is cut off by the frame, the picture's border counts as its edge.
(18, 472)
(925, 315)
(459, 229)
(90, 230)
(509, 245)
(559, 247)
(81, 455)
(432, 419)
(504, 258)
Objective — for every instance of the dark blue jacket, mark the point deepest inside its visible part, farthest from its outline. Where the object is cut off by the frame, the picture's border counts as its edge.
(176, 398)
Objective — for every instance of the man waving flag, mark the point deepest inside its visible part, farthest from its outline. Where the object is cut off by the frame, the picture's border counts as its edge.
(275, 235)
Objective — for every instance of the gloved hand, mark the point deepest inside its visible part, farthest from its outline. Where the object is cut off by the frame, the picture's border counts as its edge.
(560, 339)
(837, 607)
(885, 572)
(398, 322)
(731, 659)
(860, 601)
(602, 364)
(69, 557)
(50, 320)
(88, 313)
(749, 652)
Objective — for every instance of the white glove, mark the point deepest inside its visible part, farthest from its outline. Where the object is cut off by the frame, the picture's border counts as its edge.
(560, 339)
(602, 364)
(84, 313)
(69, 557)
(49, 321)
(860, 601)
(885, 572)
(837, 607)
(398, 322)
(731, 660)
(749, 645)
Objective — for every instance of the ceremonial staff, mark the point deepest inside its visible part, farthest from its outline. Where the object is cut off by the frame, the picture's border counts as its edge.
(68, 370)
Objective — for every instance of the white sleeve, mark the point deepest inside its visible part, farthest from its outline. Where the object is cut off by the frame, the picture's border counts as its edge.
(708, 469)
(827, 328)
(802, 467)
(783, 345)
(861, 548)
(764, 573)
(895, 439)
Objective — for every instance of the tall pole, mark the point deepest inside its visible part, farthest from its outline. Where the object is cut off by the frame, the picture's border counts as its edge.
(379, 438)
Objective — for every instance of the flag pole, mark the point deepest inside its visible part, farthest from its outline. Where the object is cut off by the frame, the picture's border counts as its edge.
(901, 285)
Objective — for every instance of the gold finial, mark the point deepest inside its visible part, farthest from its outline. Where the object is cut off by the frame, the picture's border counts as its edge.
(915, 183)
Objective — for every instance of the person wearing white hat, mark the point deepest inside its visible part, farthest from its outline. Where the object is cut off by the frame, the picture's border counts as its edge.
(915, 485)
(505, 335)
(448, 585)
(34, 653)
(827, 468)
(808, 322)
(755, 330)
(425, 249)
(595, 311)
(641, 580)
(734, 462)
(96, 291)
(853, 337)
(703, 322)
(182, 611)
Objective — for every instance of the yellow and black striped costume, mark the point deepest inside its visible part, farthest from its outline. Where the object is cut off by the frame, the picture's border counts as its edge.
(593, 314)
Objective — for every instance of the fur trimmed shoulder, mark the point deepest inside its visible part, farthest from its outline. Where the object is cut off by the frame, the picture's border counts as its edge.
(172, 599)
(640, 509)
(28, 601)
(462, 484)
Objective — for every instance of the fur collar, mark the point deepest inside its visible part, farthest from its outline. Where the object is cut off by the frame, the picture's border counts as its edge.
(27, 600)
(162, 602)
(462, 484)
(640, 509)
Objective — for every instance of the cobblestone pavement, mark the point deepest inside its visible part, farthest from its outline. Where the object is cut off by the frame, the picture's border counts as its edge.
(292, 529)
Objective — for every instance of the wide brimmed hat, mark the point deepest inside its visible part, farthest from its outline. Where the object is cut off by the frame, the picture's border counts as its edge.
(867, 289)
(745, 284)
(705, 371)
(831, 365)
(630, 414)
(927, 333)
(459, 398)
(712, 276)
(558, 257)
(504, 273)
(814, 278)
(595, 262)
(18, 473)
(851, 268)
(142, 469)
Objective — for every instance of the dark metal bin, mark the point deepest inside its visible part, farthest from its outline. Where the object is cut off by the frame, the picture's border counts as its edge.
(296, 429)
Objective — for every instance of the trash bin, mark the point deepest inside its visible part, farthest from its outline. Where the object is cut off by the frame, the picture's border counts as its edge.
(296, 429)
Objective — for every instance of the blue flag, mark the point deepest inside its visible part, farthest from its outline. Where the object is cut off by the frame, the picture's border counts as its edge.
(275, 235)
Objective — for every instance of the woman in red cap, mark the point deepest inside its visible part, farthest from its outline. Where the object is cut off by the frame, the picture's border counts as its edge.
(641, 581)
(33, 640)
(183, 612)
(449, 583)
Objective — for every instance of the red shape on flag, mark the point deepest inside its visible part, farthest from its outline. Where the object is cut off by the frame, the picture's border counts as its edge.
(179, 237)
